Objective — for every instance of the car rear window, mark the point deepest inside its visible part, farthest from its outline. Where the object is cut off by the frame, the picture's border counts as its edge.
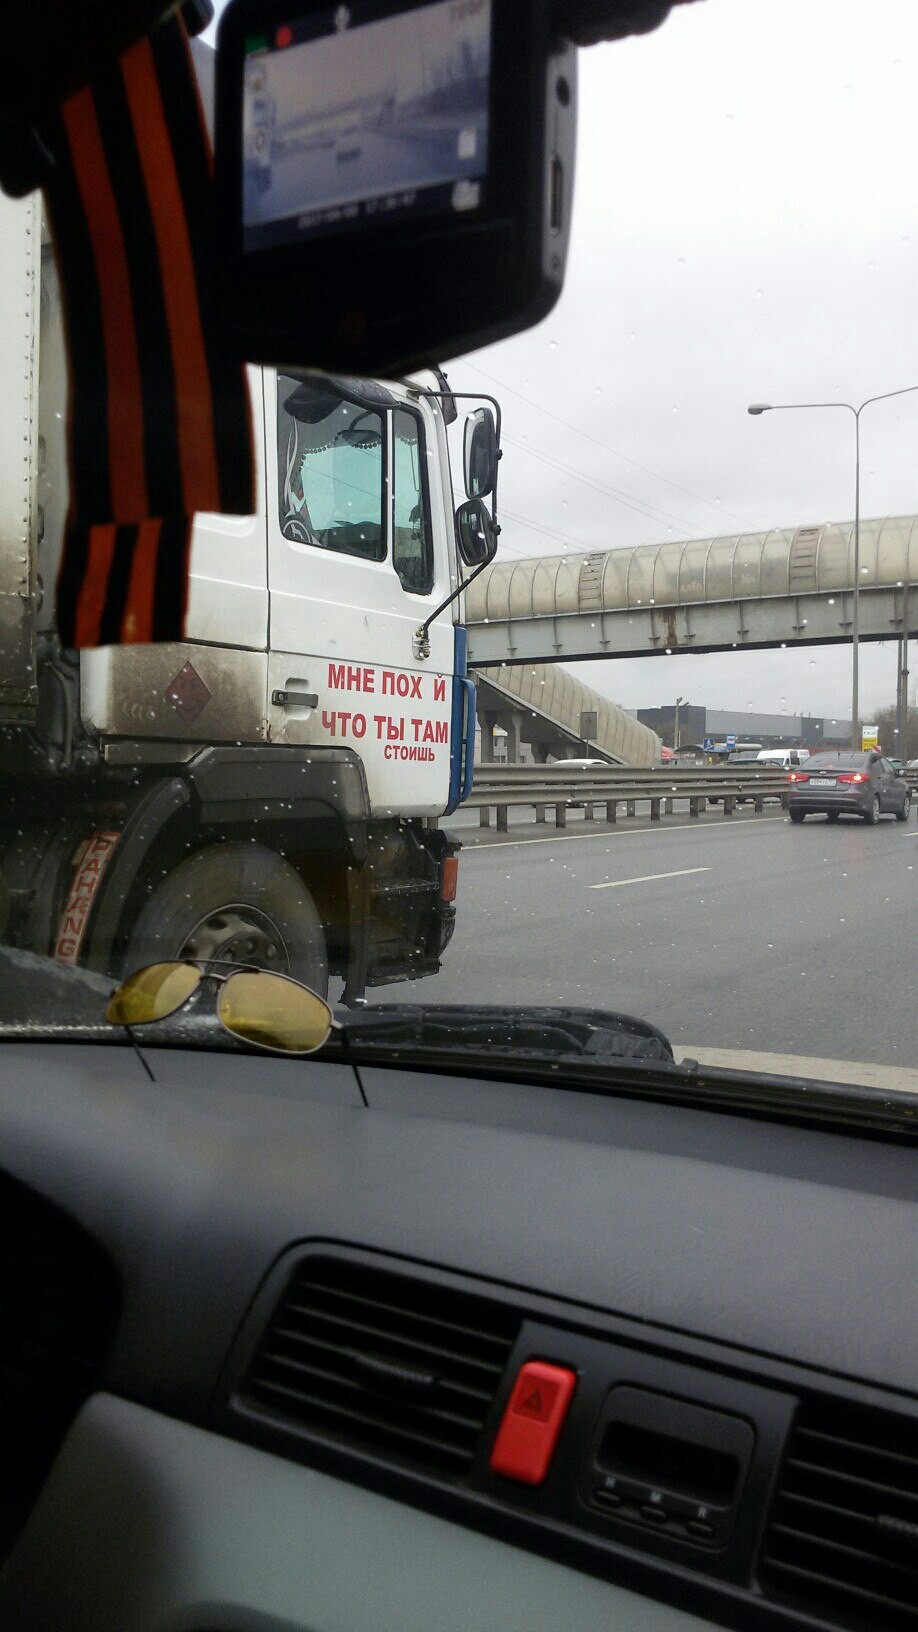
(854, 762)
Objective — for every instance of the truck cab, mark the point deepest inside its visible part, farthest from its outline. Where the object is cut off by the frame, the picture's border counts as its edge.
(301, 618)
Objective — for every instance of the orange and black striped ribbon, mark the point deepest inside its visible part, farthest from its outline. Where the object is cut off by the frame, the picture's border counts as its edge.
(159, 421)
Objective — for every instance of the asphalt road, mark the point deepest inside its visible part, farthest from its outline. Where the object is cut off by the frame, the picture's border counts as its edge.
(742, 933)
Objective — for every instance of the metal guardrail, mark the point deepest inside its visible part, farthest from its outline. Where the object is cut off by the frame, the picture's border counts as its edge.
(552, 787)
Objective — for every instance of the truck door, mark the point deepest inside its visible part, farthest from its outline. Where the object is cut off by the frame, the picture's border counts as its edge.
(358, 555)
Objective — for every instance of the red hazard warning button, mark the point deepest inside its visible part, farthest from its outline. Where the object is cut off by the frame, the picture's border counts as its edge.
(535, 1413)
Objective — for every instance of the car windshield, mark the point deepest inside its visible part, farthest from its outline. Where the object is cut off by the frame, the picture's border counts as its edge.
(524, 806)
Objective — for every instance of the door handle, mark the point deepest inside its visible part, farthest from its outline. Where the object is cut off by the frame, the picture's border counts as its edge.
(295, 699)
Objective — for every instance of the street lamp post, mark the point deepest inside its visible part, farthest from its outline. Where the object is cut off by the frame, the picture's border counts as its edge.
(676, 734)
(756, 408)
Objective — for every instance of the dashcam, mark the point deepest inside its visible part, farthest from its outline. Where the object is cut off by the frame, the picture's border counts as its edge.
(394, 178)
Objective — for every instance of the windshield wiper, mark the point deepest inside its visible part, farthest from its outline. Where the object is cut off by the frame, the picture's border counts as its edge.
(600, 1052)
(545, 1033)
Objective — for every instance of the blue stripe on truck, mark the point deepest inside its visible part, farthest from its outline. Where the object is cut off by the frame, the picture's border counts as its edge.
(462, 727)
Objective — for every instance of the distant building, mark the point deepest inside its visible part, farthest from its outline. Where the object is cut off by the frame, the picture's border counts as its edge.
(697, 722)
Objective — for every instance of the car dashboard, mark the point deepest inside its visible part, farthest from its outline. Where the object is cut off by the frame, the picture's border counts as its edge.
(265, 1354)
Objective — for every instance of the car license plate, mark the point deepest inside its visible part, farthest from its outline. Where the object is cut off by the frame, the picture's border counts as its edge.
(822, 781)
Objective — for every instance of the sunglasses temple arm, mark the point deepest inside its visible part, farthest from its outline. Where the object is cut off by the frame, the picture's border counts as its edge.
(346, 1046)
(139, 1051)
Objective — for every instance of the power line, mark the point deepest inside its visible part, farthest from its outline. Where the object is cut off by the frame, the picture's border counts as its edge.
(549, 532)
(653, 514)
(605, 445)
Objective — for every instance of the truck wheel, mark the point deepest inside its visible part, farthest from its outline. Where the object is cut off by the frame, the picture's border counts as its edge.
(238, 901)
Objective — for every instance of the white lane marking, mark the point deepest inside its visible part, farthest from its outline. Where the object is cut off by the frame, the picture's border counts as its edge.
(648, 878)
(624, 833)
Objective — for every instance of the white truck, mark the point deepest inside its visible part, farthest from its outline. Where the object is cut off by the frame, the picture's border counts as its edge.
(270, 788)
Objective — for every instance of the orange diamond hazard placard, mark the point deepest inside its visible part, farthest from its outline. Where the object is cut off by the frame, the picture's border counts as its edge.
(533, 1420)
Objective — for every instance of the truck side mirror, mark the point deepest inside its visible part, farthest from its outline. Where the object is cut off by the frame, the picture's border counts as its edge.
(476, 534)
(480, 454)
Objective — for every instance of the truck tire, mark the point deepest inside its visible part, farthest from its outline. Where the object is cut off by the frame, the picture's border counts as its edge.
(239, 901)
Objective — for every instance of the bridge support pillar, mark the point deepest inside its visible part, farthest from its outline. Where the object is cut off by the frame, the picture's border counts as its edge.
(511, 724)
(487, 722)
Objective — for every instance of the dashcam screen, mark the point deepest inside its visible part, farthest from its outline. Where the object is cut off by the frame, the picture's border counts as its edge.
(362, 113)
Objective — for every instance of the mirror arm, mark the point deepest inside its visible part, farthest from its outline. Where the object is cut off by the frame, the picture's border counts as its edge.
(471, 396)
(460, 396)
(421, 635)
(421, 640)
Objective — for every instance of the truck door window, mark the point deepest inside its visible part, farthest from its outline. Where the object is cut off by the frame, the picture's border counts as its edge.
(330, 466)
(411, 551)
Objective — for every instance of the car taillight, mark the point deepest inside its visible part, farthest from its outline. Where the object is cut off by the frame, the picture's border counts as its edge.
(798, 776)
(856, 776)
(449, 878)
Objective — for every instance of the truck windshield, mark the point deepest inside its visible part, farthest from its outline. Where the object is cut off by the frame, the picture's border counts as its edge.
(332, 468)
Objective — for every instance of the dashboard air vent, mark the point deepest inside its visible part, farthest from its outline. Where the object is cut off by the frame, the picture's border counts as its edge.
(842, 1538)
(387, 1363)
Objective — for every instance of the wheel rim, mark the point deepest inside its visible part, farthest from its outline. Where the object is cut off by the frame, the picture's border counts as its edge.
(237, 934)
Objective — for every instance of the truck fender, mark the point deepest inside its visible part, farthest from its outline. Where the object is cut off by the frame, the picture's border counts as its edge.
(155, 808)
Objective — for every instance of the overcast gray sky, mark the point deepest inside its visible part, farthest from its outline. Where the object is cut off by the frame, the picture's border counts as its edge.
(745, 227)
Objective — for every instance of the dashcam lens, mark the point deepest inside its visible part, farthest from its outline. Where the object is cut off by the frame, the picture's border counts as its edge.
(358, 114)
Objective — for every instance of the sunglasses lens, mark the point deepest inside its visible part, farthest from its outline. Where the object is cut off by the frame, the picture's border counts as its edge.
(274, 1013)
(152, 993)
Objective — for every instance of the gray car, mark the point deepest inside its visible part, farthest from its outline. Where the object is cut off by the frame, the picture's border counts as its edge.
(864, 785)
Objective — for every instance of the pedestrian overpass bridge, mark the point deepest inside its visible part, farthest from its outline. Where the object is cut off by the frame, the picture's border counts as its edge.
(787, 587)
(555, 714)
